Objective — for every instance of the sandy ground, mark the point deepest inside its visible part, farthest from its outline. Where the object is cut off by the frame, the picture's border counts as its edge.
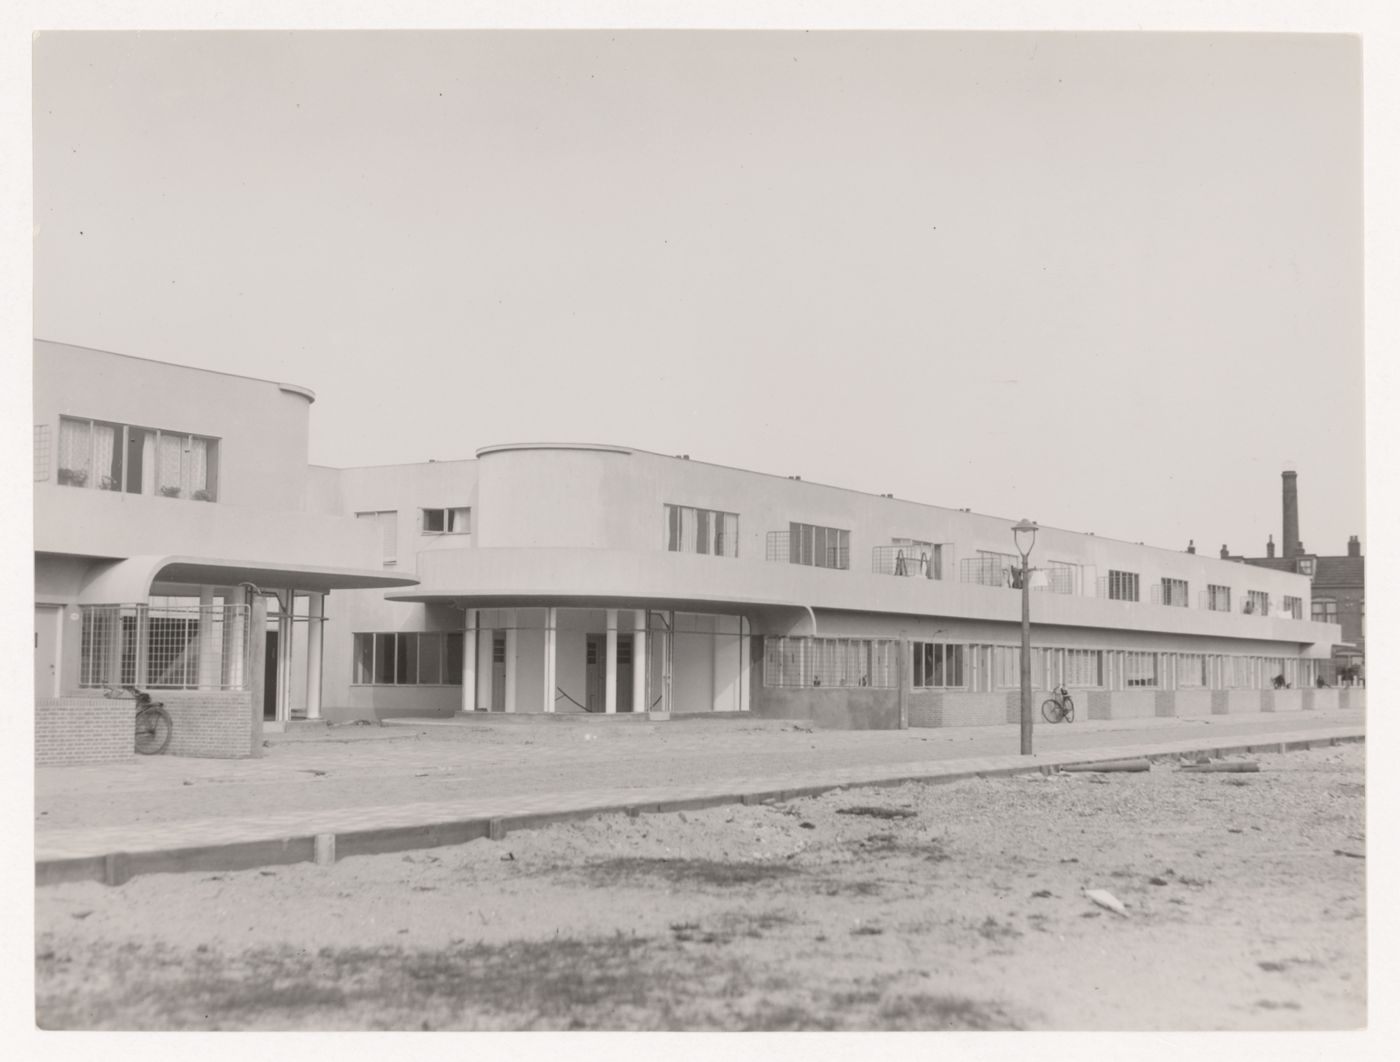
(952, 906)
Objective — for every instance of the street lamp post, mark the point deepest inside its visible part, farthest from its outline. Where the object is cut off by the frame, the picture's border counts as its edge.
(1024, 547)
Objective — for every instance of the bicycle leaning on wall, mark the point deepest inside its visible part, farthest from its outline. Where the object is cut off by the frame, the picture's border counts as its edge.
(1059, 708)
(153, 725)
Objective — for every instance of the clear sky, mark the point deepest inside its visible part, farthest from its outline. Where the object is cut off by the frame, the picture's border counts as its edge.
(1109, 282)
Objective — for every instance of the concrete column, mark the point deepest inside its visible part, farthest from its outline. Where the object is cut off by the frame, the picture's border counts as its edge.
(209, 640)
(511, 641)
(487, 637)
(551, 620)
(640, 671)
(287, 604)
(315, 652)
(235, 639)
(469, 663)
(745, 653)
(256, 668)
(610, 675)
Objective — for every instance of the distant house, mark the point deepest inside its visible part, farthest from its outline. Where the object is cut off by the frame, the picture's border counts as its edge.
(1338, 587)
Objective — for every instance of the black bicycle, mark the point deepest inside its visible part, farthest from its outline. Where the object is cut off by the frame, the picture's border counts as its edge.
(1059, 708)
(153, 725)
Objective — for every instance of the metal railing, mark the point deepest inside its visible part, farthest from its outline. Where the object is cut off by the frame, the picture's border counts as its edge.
(164, 646)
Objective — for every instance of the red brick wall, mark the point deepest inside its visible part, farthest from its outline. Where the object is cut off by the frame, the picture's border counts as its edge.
(73, 730)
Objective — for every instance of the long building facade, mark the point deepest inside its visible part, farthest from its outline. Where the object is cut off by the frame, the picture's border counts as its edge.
(183, 543)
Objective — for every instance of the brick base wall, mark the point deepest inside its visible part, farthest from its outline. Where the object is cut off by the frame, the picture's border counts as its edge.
(213, 723)
(95, 729)
(76, 730)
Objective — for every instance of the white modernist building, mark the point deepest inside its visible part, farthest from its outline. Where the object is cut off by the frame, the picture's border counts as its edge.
(173, 503)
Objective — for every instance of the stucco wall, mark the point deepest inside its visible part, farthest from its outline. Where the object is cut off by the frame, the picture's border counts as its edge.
(836, 709)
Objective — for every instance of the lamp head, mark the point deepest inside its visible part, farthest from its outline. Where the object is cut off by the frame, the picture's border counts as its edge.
(1024, 533)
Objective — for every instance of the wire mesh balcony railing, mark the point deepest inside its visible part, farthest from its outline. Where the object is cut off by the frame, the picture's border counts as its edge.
(988, 571)
(164, 646)
(911, 561)
(785, 548)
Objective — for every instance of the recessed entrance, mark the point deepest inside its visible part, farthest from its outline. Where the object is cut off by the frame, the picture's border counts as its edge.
(596, 675)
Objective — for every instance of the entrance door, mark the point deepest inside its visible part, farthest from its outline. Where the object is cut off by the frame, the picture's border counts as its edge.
(596, 673)
(270, 678)
(498, 673)
(46, 650)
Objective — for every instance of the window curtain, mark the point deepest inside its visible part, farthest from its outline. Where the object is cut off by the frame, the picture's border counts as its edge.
(196, 472)
(104, 444)
(170, 453)
(74, 447)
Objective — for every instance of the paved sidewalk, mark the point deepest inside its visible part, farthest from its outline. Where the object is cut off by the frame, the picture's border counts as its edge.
(586, 781)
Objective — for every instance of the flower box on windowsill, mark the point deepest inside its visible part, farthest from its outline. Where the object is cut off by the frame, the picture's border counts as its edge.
(170, 492)
(202, 495)
(72, 477)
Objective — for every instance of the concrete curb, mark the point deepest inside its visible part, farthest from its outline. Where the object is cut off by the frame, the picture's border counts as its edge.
(116, 868)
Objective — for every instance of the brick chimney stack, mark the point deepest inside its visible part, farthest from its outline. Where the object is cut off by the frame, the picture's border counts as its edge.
(1269, 548)
(1191, 546)
(1290, 514)
(1224, 552)
(1353, 546)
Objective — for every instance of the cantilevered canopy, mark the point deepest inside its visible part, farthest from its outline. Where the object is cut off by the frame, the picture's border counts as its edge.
(129, 580)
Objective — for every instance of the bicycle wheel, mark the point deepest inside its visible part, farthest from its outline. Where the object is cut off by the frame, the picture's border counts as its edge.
(1052, 711)
(153, 730)
(1069, 710)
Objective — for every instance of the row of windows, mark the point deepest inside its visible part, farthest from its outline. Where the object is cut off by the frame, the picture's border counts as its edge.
(123, 457)
(408, 658)
(797, 662)
(949, 665)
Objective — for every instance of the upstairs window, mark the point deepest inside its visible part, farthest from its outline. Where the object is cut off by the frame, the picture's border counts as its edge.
(819, 547)
(1256, 603)
(1217, 598)
(388, 523)
(1175, 592)
(707, 531)
(1122, 586)
(123, 457)
(446, 521)
(1293, 606)
(1324, 610)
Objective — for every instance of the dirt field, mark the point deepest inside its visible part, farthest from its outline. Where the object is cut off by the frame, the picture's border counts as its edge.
(958, 906)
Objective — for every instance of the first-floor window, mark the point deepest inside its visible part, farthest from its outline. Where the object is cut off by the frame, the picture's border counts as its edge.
(1083, 667)
(408, 658)
(1218, 598)
(1191, 670)
(1256, 602)
(938, 665)
(1139, 669)
(836, 662)
(1293, 606)
(1324, 610)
